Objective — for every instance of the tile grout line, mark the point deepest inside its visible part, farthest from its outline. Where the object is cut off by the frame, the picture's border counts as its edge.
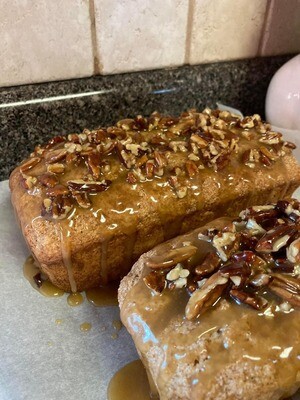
(189, 27)
(96, 58)
(264, 32)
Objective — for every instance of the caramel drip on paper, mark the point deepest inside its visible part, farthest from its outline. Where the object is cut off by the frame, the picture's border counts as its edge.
(103, 296)
(130, 383)
(75, 299)
(30, 270)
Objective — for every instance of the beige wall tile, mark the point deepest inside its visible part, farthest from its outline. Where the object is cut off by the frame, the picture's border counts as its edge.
(44, 40)
(140, 34)
(282, 30)
(225, 29)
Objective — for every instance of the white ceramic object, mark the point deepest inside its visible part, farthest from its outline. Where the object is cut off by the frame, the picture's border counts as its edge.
(283, 96)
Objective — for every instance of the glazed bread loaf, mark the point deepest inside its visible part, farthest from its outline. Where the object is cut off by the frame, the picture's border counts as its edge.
(214, 313)
(90, 204)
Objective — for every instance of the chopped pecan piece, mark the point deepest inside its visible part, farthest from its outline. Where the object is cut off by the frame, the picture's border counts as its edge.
(82, 199)
(155, 281)
(293, 251)
(236, 269)
(208, 265)
(56, 207)
(149, 169)
(191, 168)
(260, 280)
(199, 141)
(131, 178)
(29, 182)
(283, 265)
(48, 180)
(56, 168)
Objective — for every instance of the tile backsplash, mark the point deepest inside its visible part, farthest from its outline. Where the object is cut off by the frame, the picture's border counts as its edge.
(63, 39)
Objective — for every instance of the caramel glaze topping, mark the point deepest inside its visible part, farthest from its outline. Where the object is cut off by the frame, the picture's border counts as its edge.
(105, 176)
(220, 304)
(251, 257)
(172, 150)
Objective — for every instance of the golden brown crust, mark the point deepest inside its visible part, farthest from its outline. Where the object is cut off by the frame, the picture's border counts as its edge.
(130, 217)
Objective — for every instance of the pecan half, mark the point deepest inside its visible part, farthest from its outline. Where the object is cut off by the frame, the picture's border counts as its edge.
(54, 156)
(275, 239)
(206, 296)
(286, 287)
(88, 186)
(93, 163)
(172, 258)
(29, 164)
(256, 302)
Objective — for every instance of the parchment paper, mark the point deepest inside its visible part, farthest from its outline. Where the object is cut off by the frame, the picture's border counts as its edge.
(40, 359)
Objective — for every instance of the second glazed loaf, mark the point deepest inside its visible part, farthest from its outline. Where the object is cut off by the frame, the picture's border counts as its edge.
(90, 204)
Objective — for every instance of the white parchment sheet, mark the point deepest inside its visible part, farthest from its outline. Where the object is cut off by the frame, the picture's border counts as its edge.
(43, 360)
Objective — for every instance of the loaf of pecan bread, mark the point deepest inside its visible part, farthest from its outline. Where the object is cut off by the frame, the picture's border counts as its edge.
(214, 314)
(90, 204)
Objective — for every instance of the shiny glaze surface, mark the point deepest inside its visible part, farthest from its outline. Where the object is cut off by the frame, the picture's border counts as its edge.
(225, 335)
(130, 383)
(121, 210)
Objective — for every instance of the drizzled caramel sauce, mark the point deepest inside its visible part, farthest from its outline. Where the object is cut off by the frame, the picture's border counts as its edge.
(100, 297)
(75, 299)
(120, 217)
(85, 327)
(130, 383)
(103, 296)
(30, 270)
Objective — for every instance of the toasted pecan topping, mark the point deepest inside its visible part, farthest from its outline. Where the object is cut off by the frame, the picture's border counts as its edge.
(247, 262)
(168, 149)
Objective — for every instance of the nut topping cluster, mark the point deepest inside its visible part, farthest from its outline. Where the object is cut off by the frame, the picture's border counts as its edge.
(142, 149)
(251, 259)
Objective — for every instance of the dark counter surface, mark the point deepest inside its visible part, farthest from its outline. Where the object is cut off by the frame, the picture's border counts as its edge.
(31, 114)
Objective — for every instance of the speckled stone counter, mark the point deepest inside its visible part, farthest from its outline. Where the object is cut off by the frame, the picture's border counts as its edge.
(31, 114)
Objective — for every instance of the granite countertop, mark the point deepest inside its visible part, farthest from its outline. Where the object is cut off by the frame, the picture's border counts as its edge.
(31, 114)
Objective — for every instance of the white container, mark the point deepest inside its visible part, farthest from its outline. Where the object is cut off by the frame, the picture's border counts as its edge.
(283, 96)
